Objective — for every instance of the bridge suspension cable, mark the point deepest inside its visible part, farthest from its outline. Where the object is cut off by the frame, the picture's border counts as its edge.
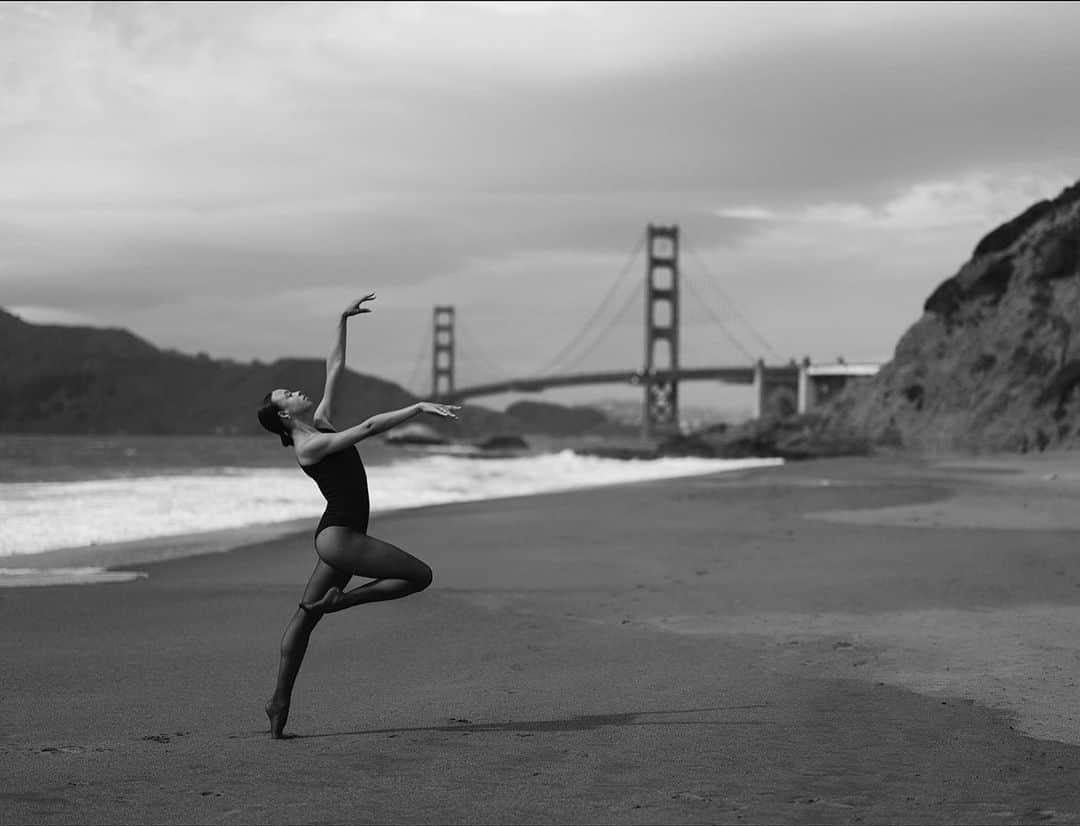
(726, 299)
(631, 299)
(472, 352)
(719, 321)
(559, 357)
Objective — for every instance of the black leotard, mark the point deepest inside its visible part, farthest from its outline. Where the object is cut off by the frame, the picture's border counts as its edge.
(343, 481)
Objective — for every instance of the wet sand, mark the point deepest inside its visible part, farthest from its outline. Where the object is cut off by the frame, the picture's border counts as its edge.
(844, 641)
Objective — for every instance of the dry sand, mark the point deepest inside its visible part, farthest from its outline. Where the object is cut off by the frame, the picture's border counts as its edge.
(838, 641)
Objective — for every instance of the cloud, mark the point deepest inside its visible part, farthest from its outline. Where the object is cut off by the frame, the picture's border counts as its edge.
(49, 315)
(849, 277)
(227, 156)
(172, 104)
(970, 202)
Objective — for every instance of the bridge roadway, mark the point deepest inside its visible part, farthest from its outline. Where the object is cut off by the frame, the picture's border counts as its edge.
(728, 375)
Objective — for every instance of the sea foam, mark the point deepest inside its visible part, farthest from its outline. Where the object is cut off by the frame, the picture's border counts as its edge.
(43, 516)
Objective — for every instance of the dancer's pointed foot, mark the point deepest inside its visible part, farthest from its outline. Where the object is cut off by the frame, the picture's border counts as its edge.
(278, 714)
(333, 600)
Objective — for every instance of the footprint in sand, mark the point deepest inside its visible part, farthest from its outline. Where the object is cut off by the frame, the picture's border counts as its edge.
(1047, 815)
(165, 738)
(690, 796)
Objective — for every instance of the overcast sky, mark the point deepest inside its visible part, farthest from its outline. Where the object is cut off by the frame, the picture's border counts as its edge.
(224, 177)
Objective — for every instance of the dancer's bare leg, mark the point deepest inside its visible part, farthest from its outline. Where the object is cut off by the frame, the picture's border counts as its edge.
(394, 572)
(294, 643)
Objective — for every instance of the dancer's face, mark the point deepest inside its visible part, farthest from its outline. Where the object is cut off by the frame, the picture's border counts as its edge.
(292, 402)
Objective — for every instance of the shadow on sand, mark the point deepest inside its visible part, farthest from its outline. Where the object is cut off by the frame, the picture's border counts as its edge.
(586, 722)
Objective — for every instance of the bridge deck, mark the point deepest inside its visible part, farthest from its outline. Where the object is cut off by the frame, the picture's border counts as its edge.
(730, 375)
(742, 374)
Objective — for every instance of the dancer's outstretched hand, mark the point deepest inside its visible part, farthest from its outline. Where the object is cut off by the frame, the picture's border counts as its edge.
(354, 307)
(446, 411)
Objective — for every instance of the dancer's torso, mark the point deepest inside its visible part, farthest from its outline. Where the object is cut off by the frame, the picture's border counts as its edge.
(343, 481)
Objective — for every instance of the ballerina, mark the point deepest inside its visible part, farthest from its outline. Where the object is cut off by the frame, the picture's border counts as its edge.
(342, 544)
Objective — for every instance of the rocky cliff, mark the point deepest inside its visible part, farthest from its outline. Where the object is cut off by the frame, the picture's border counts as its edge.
(994, 361)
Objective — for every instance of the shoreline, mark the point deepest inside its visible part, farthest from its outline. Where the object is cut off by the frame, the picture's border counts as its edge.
(1054, 470)
(134, 552)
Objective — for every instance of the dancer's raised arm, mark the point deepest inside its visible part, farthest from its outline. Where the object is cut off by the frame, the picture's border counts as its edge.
(318, 445)
(335, 362)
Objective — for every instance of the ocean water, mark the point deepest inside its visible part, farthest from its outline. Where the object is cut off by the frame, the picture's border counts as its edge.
(75, 492)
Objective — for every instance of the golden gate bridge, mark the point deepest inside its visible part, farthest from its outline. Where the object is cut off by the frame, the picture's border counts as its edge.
(661, 370)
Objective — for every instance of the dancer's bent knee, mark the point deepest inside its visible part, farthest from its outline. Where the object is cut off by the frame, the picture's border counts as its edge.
(423, 577)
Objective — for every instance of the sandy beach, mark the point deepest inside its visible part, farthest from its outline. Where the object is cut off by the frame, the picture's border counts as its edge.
(841, 641)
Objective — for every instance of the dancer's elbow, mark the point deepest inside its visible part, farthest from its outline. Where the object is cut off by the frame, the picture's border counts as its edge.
(367, 429)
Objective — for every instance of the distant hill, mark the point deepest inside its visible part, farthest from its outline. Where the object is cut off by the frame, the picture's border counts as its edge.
(557, 420)
(994, 361)
(60, 379)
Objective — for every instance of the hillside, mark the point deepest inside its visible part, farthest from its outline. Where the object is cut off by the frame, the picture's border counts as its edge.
(60, 379)
(994, 361)
(559, 420)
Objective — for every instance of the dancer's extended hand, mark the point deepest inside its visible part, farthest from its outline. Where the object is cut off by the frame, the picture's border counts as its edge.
(444, 410)
(354, 307)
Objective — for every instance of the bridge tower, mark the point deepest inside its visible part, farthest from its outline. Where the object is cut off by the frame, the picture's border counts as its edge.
(661, 412)
(442, 353)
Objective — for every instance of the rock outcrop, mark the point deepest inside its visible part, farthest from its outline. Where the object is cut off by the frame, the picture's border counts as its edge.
(994, 362)
(809, 436)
